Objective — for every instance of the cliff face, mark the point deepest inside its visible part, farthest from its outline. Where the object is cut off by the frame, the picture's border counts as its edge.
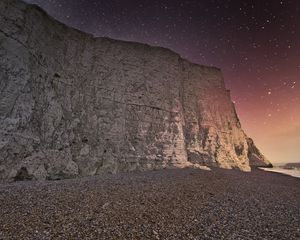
(74, 105)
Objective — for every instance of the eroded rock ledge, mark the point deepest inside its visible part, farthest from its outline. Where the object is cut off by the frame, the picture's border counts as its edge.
(74, 105)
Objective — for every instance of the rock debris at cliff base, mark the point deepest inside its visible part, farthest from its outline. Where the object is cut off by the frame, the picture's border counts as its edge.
(163, 204)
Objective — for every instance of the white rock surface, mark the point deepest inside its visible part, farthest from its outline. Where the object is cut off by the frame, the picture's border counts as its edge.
(74, 105)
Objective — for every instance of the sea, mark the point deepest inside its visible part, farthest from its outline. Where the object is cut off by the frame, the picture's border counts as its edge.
(294, 172)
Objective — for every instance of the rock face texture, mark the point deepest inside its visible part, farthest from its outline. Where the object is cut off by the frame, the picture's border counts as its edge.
(74, 105)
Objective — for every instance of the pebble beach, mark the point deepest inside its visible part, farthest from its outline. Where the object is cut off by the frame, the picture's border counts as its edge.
(163, 204)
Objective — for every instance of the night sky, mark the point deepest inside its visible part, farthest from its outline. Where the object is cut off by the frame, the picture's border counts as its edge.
(255, 43)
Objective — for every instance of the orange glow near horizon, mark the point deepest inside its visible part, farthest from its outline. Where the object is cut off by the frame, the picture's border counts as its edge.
(272, 119)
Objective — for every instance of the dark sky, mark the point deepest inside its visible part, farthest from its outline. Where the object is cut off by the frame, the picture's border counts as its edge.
(256, 44)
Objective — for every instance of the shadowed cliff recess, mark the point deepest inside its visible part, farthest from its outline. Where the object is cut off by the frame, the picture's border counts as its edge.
(74, 105)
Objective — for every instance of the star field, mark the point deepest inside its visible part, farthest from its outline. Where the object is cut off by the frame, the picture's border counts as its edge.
(255, 43)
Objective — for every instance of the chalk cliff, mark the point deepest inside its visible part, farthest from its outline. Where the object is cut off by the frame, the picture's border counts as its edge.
(75, 105)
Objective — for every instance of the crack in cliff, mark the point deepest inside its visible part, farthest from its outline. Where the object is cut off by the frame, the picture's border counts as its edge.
(141, 105)
(15, 39)
(124, 103)
(26, 47)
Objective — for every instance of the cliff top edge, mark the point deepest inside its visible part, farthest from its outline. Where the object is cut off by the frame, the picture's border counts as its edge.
(34, 7)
